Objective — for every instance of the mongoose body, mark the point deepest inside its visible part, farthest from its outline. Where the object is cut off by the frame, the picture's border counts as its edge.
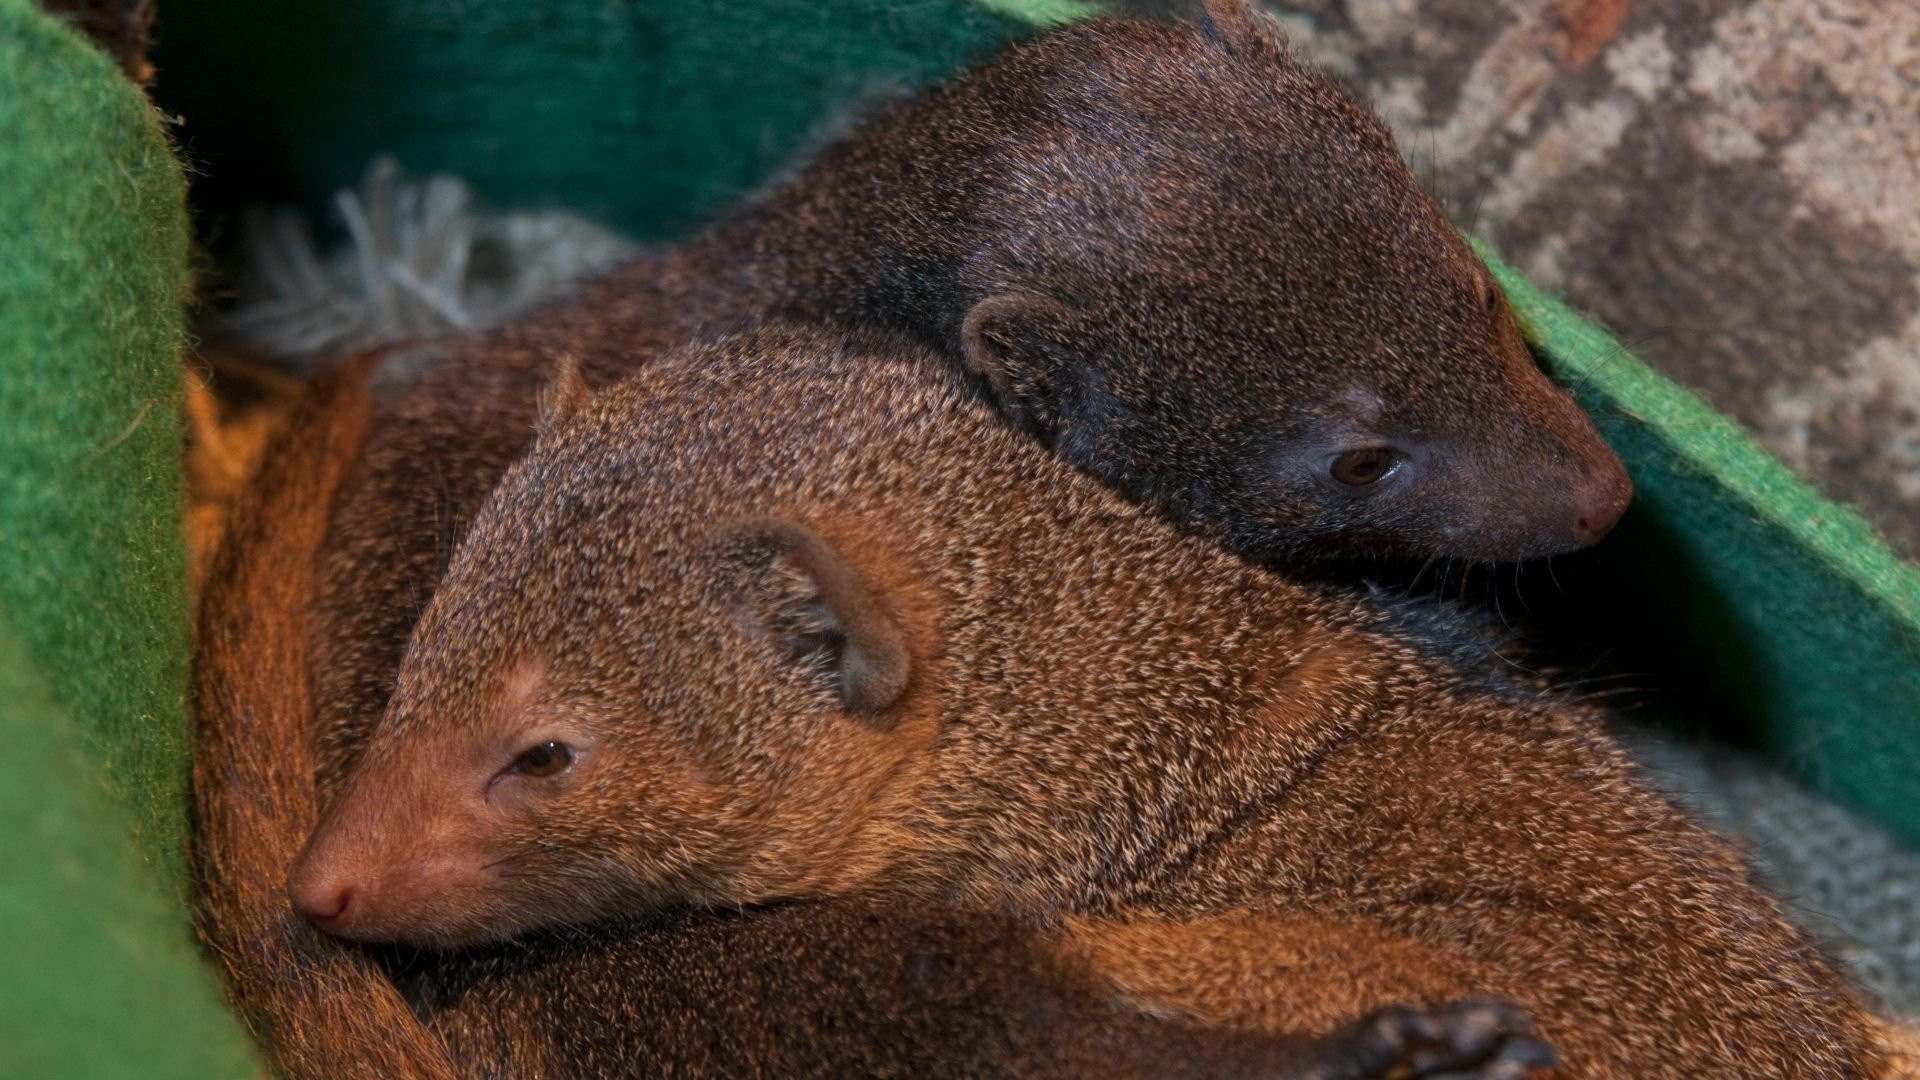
(322, 1010)
(849, 987)
(877, 230)
(870, 987)
(795, 643)
(1191, 266)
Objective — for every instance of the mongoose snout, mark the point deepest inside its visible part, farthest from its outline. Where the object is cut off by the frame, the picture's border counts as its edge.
(406, 854)
(1600, 504)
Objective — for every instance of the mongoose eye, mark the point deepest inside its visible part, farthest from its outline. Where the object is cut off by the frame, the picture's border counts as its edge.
(547, 759)
(1367, 465)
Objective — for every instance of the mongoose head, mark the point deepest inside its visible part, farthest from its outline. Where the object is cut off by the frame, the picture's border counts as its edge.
(1207, 276)
(618, 701)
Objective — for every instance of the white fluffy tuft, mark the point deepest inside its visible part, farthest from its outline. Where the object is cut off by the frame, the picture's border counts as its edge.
(421, 261)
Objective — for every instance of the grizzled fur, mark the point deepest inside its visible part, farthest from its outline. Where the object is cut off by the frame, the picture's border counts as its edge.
(1100, 723)
(842, 988)
(1195, 268)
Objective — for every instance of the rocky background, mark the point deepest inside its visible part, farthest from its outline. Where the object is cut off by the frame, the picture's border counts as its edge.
(1732, 186)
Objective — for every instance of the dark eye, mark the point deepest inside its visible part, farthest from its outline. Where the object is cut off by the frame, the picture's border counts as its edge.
(547, 759)
(1358, 468)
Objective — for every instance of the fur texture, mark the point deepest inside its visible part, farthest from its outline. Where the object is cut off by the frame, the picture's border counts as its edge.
(1838, 875)
(1103, 720)
(1193, 267)
(321, 1009)
(864, 988)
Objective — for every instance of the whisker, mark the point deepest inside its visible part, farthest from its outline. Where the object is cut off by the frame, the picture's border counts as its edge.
(1414, 585)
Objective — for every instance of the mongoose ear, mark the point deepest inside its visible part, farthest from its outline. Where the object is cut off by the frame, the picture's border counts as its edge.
(1241, 29)
(566, 395)
(814, 604)
(1025, 346)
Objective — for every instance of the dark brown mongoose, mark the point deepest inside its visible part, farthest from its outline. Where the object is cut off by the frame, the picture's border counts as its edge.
(837, 989)
(1192, 266)
(791, 642)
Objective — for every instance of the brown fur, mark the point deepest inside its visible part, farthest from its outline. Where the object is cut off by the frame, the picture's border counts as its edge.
(121, 28)
(323, 1010)
(935, 993)
(1190, 265)
(234, 407)
(844, 988)
(1103, 719)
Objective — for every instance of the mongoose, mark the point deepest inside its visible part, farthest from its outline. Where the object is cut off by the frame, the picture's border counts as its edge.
(1190, 265)
(795, 643)
(842, 988)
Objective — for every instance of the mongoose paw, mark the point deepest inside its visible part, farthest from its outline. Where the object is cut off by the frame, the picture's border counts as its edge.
(1476, 1039)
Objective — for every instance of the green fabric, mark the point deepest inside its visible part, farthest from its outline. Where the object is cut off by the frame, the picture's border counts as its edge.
(99, 976)
(93, 228)
(648, 116)
(1045, 12)
(1793, 615)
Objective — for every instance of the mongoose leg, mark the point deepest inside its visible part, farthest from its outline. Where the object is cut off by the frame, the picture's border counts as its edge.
(1420, 1016)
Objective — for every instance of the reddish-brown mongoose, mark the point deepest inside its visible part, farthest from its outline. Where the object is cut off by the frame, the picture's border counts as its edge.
(876, 988)
(1193, 267)
(843, 988)
(793, 642)
(321, 1010)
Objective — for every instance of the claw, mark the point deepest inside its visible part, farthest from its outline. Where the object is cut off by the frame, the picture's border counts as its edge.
(1476, 1039)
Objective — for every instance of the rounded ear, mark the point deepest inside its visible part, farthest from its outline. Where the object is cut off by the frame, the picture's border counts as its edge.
(1236, 25)
(565, 395)
(810, 600)
(1023, 344)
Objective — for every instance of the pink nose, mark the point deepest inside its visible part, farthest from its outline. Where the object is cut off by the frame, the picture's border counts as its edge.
(1592, 528)
(327, 903)
(1600, 508)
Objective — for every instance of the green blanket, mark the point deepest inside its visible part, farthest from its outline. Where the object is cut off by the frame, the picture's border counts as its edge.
(98, 973)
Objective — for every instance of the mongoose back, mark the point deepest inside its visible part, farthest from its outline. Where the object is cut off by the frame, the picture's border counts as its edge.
(796, 643)
(861, 988)
(1190, 265)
